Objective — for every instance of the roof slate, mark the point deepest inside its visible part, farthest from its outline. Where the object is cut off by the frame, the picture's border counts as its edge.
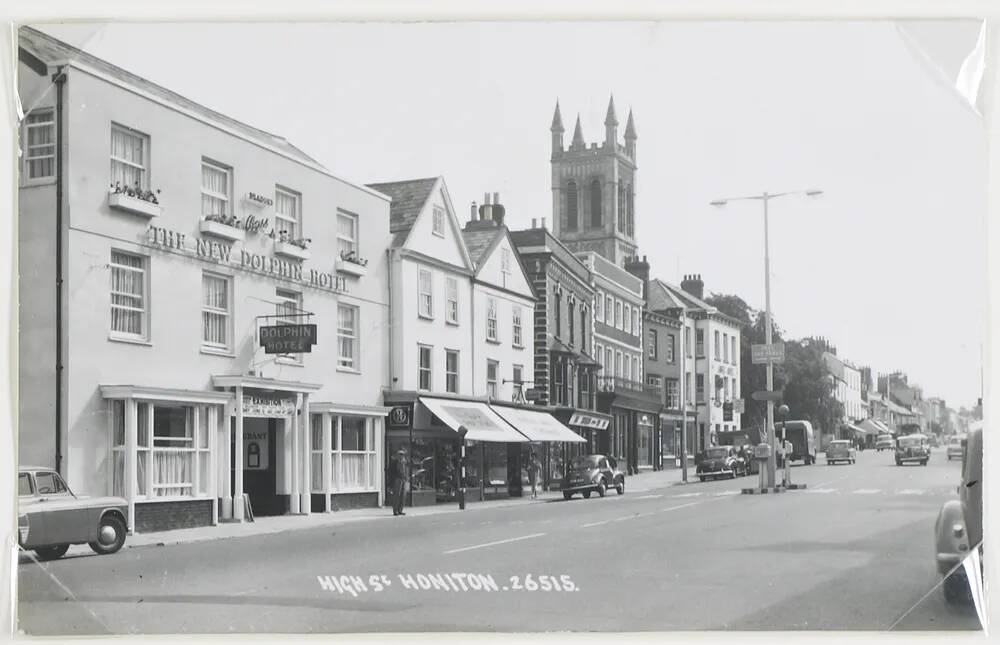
(408, 199)
(480, 241)
(52, 50)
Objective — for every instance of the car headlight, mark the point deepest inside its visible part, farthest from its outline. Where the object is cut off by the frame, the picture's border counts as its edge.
(957, 530)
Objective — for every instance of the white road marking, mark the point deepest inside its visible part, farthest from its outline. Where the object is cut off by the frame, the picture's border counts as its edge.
(726, 493)
(868, 491)
(910, 491)
(689, 495)
(820, 490)
(649, 496)
(483, 546)
(587, 526)
(637, 515)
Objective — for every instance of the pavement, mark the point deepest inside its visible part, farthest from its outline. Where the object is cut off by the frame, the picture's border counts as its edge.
(645, 481)
(853, 551)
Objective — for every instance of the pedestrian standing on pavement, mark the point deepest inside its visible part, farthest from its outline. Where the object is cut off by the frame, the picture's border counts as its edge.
(397, 481)
(533, 468)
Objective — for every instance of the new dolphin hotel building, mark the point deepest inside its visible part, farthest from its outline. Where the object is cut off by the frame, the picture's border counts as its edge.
(196, 296)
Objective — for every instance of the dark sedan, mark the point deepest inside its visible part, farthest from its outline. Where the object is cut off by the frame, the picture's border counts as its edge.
(590, 473)
(721, 461)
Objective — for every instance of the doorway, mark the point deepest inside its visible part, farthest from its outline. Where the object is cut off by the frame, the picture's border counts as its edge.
(258, 442)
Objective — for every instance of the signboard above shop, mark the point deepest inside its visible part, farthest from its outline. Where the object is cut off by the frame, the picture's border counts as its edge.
(261, 405)
(773, 353)
(287, 339)
(587, 421)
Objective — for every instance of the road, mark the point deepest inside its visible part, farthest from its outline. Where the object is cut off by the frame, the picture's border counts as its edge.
(854, 551)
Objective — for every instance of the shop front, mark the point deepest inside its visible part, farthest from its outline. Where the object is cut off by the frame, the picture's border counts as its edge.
(589, 425)
(552, 444)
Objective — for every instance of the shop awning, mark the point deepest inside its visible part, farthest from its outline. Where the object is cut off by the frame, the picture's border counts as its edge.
(870, 426)
(582, 420)
(537, 426)
(857, 430)
(482, 423)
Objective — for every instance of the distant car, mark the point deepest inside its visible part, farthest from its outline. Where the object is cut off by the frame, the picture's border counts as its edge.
(912, 448)
(959, 526)
(721, 461)
(954, 448)
(842, 451)
(51, 518)
(590, 473)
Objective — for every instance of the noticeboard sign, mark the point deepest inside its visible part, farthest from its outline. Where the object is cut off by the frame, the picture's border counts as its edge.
(739, 406)
(773, 353)
(288, 339)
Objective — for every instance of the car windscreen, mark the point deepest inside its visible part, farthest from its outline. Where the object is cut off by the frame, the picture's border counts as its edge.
(587, 461)
(838, 444)
(909, 442)
(716, 453)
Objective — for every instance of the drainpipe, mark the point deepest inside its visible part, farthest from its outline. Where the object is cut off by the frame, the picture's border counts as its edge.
(59, 78)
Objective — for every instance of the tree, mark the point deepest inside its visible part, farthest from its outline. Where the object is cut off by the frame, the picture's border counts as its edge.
(753, 378)
(809, 386)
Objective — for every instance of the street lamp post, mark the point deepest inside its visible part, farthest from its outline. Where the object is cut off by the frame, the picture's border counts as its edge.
(766, 198)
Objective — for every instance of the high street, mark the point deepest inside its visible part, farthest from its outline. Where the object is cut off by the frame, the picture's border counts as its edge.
(855, 550)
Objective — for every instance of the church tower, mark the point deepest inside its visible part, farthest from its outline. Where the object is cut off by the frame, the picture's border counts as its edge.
(593, 189)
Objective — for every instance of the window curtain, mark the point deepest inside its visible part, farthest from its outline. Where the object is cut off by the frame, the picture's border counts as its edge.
(128, 158)
(127, 286)
(216, 309)
(215, 190)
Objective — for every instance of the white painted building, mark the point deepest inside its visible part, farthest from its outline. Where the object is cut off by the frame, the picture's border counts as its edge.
(179, 236)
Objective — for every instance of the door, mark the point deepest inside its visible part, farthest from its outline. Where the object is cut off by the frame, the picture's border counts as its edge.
(63, 518)
(258, 443)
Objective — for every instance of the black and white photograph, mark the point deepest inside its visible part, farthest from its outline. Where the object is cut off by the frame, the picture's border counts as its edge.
(500, 326)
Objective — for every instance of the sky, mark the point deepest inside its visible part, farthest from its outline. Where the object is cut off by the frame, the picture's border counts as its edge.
(889, 264)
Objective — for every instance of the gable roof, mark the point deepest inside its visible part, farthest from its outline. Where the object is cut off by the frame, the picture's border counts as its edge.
(408, 199)
(52, 51)
(480, 241)
(664, 295)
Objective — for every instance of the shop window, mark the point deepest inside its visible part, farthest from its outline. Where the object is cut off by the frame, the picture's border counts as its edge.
(39, 145)
(495, 466)
(287, 212)
(347, 234)
(347, 337)
(316, 452)
(424, 367)
(216, 189)
(353, 454)
(451, 371)
(129, 295)
(645, 436)
(216, 308)
(129, 157)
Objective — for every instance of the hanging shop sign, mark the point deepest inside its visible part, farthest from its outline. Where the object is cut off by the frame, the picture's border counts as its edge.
(255, 450)
(219, 252)
(586, 421)
(287, 339)
(263, 406)
(399, 417)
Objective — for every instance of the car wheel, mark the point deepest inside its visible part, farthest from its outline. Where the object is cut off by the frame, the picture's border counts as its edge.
(567, 494)
(110, 537)
(602, 488)
(586, 494)
(899, 463)
(955, 588)
(701, 479)
(620, 488)
(51, 552)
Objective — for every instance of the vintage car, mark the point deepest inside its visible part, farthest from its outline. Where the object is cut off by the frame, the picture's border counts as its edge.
(912, 448)
(720, 461)
(589, 473)
(954, 448)
(959, 526)
(50, 517)
(842, 451)
(884, 442)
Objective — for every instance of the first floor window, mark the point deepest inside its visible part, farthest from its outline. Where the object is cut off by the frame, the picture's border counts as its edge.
(216, 187)
(651, 343)
(40, 144)
(628, 318)
(451, 371)
(673, 395)
(425, 296)
(287, 212)
(732, 352)
(452, 300)
(492, 385)
(128, 294)
(347, 233)
(289, 312)
(700, 387)
(599, 307)
(216, 308)
(491, 319)
(516, 333)
(129, 157)
(669, 349)
(424, 367)
(347, 336)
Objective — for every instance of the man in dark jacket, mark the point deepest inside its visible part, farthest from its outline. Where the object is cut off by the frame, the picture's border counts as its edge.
(397, 480)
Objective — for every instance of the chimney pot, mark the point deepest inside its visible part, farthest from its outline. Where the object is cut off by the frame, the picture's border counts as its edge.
(486, 198)
(496, 198)
(543, 222)
(473, 211)
(534, 222)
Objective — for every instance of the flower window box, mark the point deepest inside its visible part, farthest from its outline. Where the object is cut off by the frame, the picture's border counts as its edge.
(225, 231)
(134, 205)
(291, 250)
(351, 268)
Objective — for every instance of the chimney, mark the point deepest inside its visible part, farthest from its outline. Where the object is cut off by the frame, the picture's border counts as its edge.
(473, 212)
(694, 285)
(640, 269)
(498, 210)
(486, 210)
(534, 222)
(543, 222)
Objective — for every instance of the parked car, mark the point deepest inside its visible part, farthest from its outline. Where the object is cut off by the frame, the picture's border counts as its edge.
(959, 526)
(51, 517)
(589, 473)
(954, 448)
(884, 442)
(840, 450)
(719, 461)
(912, 447)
